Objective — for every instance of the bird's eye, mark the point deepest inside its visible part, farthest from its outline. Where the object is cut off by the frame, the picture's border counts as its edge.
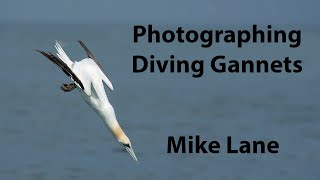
(127, 145)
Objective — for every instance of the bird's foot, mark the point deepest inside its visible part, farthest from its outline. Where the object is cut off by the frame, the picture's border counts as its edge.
(67, 87)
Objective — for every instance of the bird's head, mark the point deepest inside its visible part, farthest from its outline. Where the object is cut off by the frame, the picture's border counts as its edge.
(125, 142)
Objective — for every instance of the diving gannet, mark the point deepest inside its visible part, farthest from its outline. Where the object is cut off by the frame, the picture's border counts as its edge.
(87, 76)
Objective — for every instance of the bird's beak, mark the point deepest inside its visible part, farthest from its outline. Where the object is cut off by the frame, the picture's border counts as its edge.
(131, 152)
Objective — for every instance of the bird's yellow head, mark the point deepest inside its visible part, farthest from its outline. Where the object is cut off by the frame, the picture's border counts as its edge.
(124, 141)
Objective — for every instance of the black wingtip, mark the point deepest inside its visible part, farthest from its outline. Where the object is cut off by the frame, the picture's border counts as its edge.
(89, 53)
(38, 51)
(82, 44)
(62, 66)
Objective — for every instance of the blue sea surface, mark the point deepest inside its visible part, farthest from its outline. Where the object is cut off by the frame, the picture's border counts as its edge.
(49, 134)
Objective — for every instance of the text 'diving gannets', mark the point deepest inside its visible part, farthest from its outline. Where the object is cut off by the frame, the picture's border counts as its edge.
(87, 77)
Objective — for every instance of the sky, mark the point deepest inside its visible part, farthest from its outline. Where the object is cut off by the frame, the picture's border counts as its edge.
(165, 11)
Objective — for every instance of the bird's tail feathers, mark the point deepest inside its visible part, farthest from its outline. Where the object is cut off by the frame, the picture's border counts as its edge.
(62, 55)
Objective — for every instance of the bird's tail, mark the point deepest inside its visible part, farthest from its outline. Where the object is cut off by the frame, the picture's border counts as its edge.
(62, 55)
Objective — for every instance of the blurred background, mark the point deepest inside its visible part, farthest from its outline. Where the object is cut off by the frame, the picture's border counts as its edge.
(48, 134)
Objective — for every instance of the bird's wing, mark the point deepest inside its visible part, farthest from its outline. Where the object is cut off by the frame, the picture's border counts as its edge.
(98, 90)
(107, 81)
(64, 67)
(91, 56)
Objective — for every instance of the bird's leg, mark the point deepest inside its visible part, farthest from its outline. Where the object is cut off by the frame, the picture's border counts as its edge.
(68, 87)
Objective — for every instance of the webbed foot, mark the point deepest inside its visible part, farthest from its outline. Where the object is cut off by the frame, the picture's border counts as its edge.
(67, 87)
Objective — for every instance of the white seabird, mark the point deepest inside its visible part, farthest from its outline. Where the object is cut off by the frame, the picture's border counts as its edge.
(88, 76)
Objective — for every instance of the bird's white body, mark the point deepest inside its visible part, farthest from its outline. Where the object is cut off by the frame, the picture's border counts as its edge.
(92, 78)
(94, 92)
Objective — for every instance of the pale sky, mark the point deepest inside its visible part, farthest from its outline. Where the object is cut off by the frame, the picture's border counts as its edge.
(166, 11)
